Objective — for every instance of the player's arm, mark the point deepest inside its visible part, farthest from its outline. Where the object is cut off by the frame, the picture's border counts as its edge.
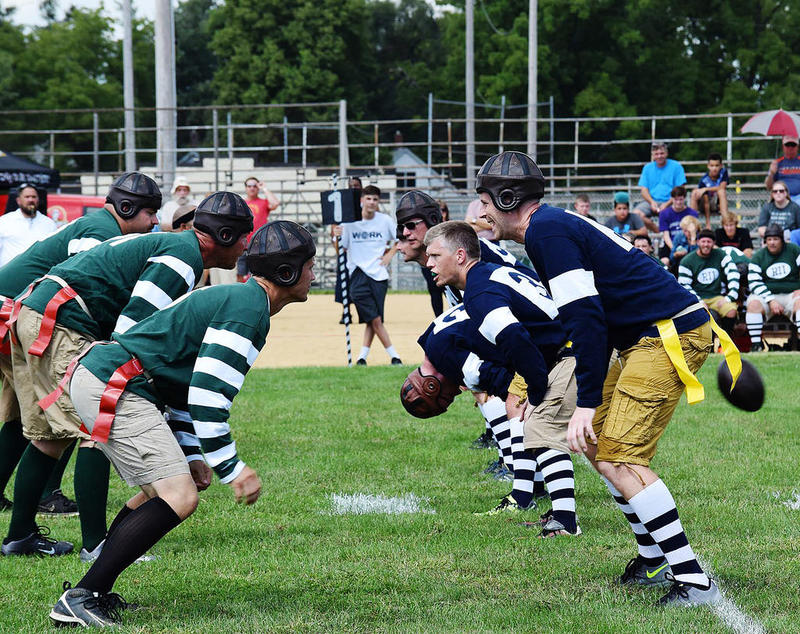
(756, 281)
(685, 279)
(732, 278)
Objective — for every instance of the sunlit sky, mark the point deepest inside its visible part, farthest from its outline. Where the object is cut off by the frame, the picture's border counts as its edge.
(27, 11)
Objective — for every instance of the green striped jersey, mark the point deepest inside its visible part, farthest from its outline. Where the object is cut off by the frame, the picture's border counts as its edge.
(79, 235)
(123, 280)
(770, 274)
(196, 352)
(710, 277)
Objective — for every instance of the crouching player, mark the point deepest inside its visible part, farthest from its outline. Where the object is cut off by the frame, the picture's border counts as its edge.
(513, 312)
(118, 389)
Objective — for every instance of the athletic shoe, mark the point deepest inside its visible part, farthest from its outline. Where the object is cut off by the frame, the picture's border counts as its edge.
(508, 505)
(88, 556)
(5, 503)
(757, 347)
(504, 474)
(361, 362)
(57, 504)
(484, 441)
(396, 361)
(638, 573)
(37, 544)
(79, 606)
(554, 528)
(493, 467)
(540, 492)
(685, 596)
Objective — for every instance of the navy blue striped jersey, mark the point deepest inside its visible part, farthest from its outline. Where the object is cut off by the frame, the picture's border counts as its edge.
(494, 254)
(514, 312)
(457, 350)
(608, 293)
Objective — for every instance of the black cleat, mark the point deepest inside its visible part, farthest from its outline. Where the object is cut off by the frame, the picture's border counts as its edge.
(683, 595)
(396, 361)
(82, 607)
(57, 505)
(37, 544)
(361, 362)
(638, 573)
(757, 347)
(484, 441)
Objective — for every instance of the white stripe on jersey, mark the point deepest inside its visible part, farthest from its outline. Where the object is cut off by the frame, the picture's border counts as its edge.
(123, 324)
(77, 245)
(185, 439)
(201, 397)
(205, 429)
(499, 252)
(177, 265)
(618, 240)
(151, 293)
(233, 474)
(237, 343)
(221, 455)
(497, 321)
(572, 286)
(220, 370)
(471, 371)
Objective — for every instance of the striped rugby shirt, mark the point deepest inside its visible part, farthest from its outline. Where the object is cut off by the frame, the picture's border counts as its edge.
(514, 312)
(79, 235)
(774, 274)
(704, 276)
(122, 281)
(457, 350)
(608, 293)
(196, 351)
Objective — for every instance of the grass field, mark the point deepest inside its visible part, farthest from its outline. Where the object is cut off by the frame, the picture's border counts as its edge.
(288, 564)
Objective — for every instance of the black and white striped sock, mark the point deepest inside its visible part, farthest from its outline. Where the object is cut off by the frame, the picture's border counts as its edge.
(649, 552)
(755, 323)
(655, 507)
(524, 465)
(494, 413)
(559, 478)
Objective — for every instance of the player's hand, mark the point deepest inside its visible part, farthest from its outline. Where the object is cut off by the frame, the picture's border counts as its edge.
(654, 207)
(718, 304)
(580, 428)
(796, 293)
(336, 231)
(515, 406)
(480, 397)
(773, 167)
(201, 474)
(776, 307)
(246, 486)
(386, 259)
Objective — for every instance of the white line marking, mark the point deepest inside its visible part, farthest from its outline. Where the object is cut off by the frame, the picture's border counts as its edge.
(729, 613)
(792, 503)
(364, 504)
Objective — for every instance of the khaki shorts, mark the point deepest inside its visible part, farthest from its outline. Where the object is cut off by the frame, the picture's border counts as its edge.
(786, 300)
(546, 424)
(727, 305)
(140, 445)
(42, 374)
(9, 406)
(640, 394)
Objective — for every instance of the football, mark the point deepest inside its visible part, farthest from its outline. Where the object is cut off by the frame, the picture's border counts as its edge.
(749, 391)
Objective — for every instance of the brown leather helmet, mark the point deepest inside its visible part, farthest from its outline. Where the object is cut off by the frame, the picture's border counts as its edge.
(427, 395)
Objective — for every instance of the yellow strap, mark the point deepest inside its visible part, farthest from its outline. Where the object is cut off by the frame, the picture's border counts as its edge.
(672, 345)
(729, 349)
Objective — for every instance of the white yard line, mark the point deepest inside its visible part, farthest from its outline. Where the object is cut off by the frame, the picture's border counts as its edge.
(730, 613)
(364, 504)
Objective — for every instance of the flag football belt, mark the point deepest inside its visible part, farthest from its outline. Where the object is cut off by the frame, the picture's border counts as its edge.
(519, 388)
(111, 394)
(5, 312)
(51, 310)
(668, 331)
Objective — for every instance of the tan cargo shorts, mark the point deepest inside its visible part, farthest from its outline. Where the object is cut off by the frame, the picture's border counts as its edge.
(9, 405)
(545, 425)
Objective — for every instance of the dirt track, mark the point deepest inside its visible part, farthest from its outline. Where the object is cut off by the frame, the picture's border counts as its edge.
(310, 333)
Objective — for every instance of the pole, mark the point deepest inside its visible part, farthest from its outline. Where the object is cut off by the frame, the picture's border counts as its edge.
(165, 92)
(341, 260)
(533, 63)
(552, 147)
(127, 87)
(430, 137)
(215, 129)
(502, 123)
(470, 94)
(344, 153)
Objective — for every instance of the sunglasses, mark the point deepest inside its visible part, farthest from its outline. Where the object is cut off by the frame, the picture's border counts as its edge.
(411, 224)
(778, 191)
(790, 144)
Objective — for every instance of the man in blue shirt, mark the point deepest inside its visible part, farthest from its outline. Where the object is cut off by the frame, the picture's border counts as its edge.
(786, 168)
(712, 190)
(658, 178)
(611, 296)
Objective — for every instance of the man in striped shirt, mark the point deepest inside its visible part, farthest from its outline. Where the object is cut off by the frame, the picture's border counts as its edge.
(612, 296)
(102, 291)
(222, 330)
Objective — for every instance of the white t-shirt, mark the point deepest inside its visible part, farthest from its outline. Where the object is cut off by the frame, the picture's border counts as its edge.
(18, 232)
(366, 242)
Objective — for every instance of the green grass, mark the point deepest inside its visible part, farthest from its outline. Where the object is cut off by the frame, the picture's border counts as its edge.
(286, 564)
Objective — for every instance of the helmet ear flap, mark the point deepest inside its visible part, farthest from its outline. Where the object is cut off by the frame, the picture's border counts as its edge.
(286, 274)
(507, 199)
(431, 386)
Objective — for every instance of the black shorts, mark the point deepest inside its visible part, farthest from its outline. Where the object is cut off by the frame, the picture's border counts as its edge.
(368, 295)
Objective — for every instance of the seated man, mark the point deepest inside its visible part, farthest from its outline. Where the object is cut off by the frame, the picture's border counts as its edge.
(645, 245)
(658, 178)
(623, 221)
(730, 234)
(712, 191)
(702, 272)
(786, 168)
(774, 277)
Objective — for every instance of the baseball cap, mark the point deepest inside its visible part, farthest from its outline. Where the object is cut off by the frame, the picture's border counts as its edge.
(621, 198)
(789, 138)
(174, 217)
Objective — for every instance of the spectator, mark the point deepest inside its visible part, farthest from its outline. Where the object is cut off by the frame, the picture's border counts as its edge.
(669, 219)
(181, 196)
(21, 228)
(444, 209)
(703, 273)
(178, 218)
(658, 178)
(261, 208)
(780, 210)
(686, 240)
(732, 235)
(645, 245)
(623, 221)
(774, 277)
(786, 169)
(712, 191)
(479, 224)
(583, 206)
(371, 245)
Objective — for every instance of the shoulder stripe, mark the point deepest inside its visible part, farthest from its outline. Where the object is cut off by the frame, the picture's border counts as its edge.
(151, 293)
(496, 321)
(220, 370)
(77, 245)
(124, 323)
(240, 345)
(177, 265)
(572, 286)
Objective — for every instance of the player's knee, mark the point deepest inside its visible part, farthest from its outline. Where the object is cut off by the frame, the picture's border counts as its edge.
(182, 497)
(754, 306)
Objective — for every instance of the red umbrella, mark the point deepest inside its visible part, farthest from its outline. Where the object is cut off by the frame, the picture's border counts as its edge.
(773, 122)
